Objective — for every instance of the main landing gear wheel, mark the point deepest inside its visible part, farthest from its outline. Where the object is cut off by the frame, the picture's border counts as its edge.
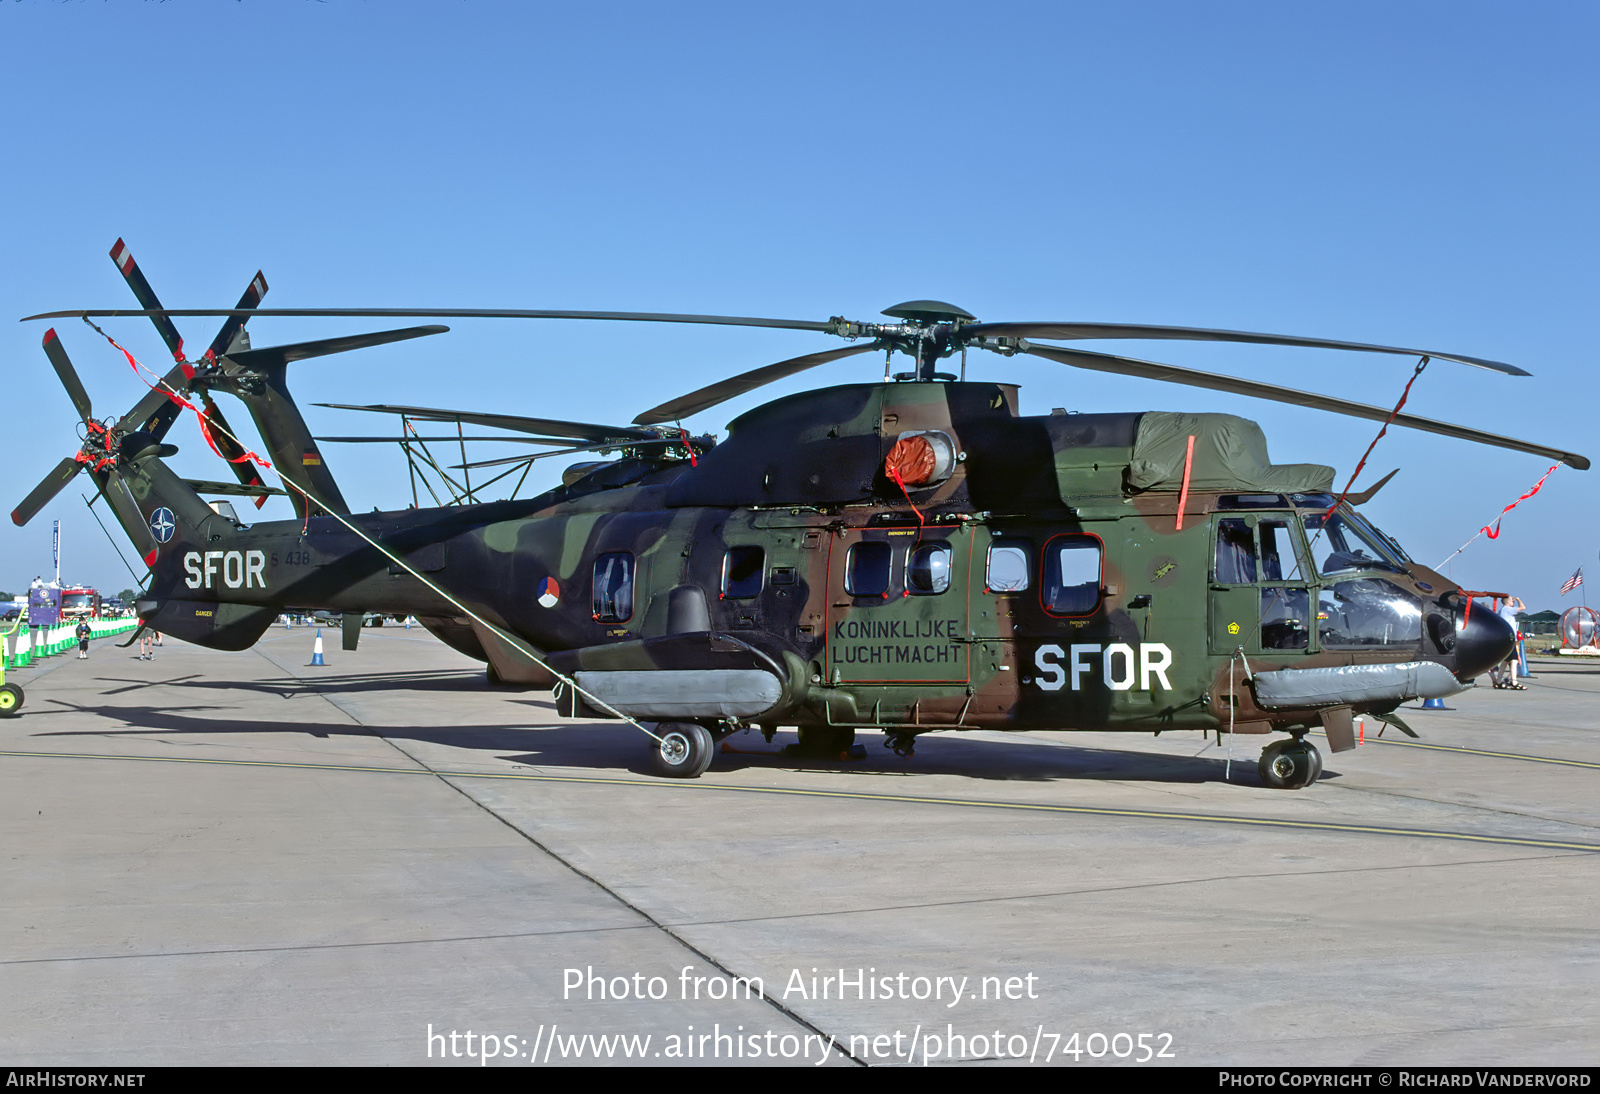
(1290, 765)
(10, 700)
(827, 743)
(684, 751)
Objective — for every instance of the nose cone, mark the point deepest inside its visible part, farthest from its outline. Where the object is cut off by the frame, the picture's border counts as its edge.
(1483, 643)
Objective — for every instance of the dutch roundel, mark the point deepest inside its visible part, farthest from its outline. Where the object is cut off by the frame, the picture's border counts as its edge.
(549, 593)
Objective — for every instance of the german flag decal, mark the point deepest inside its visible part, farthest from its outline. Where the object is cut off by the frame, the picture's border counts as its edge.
(310, 458)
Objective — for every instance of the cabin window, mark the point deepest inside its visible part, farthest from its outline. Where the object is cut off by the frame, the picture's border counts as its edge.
(741, 572)
(613, 587)
(1008, 567)
(866, 570)
(1071, 575)
(1236, 553)
(929, 570)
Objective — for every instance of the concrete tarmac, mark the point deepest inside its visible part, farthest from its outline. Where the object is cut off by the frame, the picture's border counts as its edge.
(236, 858)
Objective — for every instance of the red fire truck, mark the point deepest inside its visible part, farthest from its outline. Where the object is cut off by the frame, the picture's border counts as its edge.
(79, 602)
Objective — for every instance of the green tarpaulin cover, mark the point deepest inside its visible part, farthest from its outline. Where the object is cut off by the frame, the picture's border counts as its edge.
(1230, 454)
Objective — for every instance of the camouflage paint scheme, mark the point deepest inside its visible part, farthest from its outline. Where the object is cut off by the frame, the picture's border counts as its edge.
(803, 480)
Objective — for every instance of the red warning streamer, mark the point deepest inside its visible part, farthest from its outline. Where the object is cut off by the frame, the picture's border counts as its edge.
(894, 473)
(84, 457)
(205, 422)
(1492, 530)
(1404, 395)
(1183, 495)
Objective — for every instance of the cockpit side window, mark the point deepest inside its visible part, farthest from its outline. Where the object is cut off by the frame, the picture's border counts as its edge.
(1236, 553)
(1277, 547)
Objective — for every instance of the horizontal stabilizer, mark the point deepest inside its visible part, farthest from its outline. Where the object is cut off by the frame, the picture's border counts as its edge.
(237, 489)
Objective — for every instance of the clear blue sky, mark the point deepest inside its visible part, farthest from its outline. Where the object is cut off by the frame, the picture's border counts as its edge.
(1415, 174)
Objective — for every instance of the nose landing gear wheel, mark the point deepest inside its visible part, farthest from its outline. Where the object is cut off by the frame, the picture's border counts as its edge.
(1290, 765)
(684, 751)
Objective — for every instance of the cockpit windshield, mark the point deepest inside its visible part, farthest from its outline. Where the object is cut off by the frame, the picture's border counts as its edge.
(1345, 542)
(1395, 550)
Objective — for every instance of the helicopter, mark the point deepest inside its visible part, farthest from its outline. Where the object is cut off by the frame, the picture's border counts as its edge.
(907, 555)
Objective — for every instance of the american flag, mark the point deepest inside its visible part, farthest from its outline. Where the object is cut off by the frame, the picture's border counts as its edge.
(1572, 582)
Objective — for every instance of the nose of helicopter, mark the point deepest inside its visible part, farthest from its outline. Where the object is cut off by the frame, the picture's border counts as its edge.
(1482, 642)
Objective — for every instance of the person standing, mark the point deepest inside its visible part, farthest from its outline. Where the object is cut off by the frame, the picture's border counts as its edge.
(146, 653)
(1504, 675)
(83, 632)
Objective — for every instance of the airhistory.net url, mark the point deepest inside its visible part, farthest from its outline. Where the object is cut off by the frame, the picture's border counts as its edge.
(549, 1044)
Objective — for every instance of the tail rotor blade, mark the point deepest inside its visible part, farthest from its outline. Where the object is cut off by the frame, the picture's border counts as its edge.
(155, 413)
(243, 468)
(232, 325)
(48, 488)
(274, 356)
(147, 297)
(68, 375)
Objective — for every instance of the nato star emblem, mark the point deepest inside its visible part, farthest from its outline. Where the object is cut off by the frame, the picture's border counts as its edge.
(162, 524)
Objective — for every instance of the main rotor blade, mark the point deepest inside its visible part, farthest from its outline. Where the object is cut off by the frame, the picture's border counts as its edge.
(1075, 331)
(1151, 370)
(147, 296)
(235, 323)
(583, 431)
(561, 442)
(723, 390)
(68, 375)
(455, 313)
(48, 487)
(268, 356)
